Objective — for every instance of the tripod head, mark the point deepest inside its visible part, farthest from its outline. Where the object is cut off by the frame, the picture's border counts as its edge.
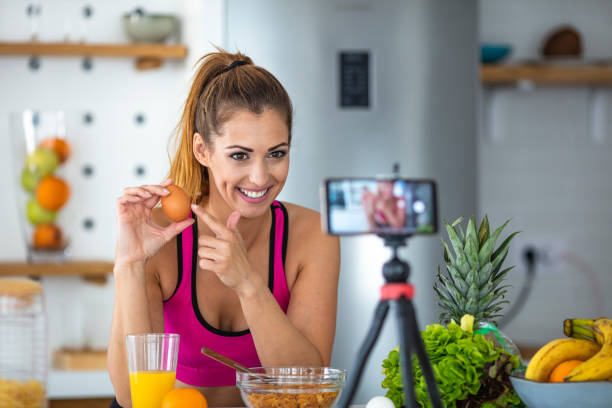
(396, 270)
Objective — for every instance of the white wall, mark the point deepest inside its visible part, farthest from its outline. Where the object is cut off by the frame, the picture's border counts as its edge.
(543, 161)
(424, 83)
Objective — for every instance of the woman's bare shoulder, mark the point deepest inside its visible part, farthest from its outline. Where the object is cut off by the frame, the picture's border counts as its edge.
(306, 224)
(303, 219)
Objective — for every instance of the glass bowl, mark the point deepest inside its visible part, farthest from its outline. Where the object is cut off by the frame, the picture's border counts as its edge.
(316, 387)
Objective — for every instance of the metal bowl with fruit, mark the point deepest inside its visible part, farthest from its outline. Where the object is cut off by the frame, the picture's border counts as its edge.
(316, 387)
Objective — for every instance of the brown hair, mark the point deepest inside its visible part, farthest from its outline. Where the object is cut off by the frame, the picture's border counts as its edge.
(216, 93)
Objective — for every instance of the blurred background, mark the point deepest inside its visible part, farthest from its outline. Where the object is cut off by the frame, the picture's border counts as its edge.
(526, 147)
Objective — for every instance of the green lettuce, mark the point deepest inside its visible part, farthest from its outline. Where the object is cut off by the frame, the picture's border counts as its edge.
(468, 368)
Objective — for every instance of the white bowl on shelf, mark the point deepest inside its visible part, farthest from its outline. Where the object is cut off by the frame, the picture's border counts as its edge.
(155, 28)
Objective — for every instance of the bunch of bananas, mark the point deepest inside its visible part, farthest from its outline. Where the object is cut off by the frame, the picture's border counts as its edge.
(589, 340)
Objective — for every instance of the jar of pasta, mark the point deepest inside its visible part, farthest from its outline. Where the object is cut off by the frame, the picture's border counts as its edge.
(23, 348)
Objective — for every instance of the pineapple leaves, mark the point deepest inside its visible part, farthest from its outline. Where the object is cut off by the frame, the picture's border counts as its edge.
(483, 231)
(448, 257)
(473, 292)
(484, 274)
(474, 280)
(456, 222)
(471, 306)
(502, 247)
(499, 260)
(458, 280)
(462, 263)
(499, 277)
(471, 243)
(457, 297)
(472, 276)
(487, 248)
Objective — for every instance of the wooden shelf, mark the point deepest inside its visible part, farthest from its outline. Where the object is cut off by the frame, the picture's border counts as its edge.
(94, 50)
(544, 73)
(148, 56)
(89, 269)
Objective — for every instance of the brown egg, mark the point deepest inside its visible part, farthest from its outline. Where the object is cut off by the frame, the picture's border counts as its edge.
(176, 205)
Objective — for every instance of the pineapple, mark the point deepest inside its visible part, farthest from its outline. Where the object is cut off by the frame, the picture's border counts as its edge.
(474, 280)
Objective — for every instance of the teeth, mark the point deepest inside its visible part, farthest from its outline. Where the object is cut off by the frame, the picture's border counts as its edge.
(253, 194)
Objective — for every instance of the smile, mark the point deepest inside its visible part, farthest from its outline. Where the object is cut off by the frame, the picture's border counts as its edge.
(253, 194)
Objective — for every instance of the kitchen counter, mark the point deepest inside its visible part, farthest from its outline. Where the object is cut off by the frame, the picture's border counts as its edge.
(65, 385)
(79, 384)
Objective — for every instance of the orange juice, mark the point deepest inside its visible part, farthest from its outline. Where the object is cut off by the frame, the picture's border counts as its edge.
(149, 387)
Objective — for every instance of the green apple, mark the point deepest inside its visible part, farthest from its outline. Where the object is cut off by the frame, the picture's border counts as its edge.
(42, 161)
(37, 214)
(29, 180)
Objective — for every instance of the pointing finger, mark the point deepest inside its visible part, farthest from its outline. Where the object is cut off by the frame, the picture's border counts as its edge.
(219, 229)
(232, 221)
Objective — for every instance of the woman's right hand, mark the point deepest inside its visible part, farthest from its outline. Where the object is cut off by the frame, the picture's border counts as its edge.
(138, 237)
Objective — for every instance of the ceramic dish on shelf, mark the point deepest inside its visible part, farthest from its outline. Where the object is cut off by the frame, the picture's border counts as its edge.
(144, 27)
(492, 53)
(585, 394)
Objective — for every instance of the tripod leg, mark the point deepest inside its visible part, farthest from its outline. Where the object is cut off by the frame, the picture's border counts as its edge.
(406, 347)
(417, 341)
(366, 347)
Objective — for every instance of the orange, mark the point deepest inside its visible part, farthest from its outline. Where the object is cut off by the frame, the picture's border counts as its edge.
(52, 193)
(59, 146)
(47, 236)
(184, 398)
(561, 371)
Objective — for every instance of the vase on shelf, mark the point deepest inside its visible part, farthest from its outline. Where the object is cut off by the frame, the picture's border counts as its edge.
(41, 154)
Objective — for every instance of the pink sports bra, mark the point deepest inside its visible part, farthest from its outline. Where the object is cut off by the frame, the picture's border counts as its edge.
(182, 313)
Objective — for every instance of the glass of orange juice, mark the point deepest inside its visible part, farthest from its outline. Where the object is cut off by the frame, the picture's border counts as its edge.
(152, 365)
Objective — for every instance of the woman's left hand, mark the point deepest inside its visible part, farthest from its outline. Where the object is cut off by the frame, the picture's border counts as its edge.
(225, 254)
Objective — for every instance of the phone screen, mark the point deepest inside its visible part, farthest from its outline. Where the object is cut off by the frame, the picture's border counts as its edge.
(379, 206)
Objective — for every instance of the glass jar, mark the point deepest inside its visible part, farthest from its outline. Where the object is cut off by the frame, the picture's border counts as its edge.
(23, 348)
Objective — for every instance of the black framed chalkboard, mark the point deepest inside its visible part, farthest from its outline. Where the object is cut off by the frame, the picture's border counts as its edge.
(354, 79)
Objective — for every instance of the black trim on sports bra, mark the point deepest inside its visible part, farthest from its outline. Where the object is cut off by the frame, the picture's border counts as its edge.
(285, 231)
(194, 296)
(179, 257)
(271, 250)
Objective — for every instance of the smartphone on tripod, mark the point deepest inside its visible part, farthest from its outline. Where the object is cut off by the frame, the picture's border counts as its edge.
(395, 209)
(384, 206)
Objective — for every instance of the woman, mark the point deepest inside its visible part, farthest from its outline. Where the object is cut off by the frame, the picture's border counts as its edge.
(246, 276)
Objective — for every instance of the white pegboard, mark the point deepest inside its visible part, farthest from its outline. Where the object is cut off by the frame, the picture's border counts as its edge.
(113, 145)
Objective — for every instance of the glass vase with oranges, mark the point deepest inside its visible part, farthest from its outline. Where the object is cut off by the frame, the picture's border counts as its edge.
(41, 152)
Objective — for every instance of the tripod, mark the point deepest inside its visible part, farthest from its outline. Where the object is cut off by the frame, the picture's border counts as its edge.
(396, 288)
